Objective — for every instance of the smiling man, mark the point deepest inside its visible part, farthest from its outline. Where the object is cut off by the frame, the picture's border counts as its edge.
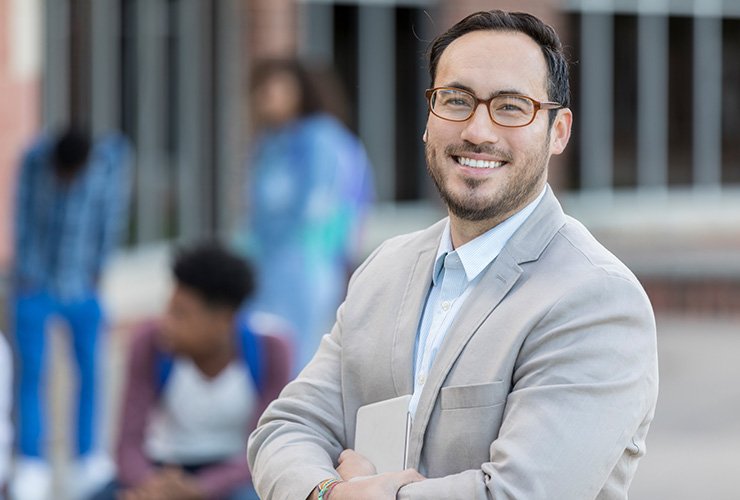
(527, 349)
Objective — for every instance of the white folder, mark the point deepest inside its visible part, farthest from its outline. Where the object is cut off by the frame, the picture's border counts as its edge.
(382, 433)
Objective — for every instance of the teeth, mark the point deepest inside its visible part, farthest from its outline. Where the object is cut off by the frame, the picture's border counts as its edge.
(469, 162)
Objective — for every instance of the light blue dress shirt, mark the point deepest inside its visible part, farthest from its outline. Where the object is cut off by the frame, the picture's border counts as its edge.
(455, 274)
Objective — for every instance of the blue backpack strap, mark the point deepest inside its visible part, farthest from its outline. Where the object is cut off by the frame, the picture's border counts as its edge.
(251, 347)
(163, 368)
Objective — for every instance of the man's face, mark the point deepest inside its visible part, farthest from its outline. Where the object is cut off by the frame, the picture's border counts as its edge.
(190, 323)
(513, 170)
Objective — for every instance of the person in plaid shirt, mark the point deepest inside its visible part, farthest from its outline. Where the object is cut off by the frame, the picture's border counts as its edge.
(71, 207)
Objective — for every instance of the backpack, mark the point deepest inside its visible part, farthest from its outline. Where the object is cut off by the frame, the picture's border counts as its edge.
(250, 347)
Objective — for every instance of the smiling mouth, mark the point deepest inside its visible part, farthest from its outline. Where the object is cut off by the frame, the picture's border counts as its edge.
(469, 162)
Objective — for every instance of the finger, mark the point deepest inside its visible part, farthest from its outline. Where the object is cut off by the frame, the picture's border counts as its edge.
(346, 454)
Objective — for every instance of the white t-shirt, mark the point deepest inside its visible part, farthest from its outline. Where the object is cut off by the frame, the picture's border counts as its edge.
(200, 419)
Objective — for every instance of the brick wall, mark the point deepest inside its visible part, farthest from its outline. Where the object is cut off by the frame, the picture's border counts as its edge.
(272, 27)
(19, 109)
(695, 296)
(547, 10)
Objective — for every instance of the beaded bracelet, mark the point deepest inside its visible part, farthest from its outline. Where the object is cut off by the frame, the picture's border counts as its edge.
(331, 488)
(326, 486)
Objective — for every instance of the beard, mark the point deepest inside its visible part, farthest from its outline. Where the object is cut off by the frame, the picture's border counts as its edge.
(474, 204)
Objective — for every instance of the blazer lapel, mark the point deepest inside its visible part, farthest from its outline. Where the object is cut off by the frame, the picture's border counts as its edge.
(410, 308)
(493, 287)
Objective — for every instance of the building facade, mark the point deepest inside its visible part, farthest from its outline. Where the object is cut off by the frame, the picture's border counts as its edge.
(653, 167)
(20, 78)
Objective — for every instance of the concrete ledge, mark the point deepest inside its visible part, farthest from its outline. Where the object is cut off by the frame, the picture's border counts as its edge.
(137, 284)
(684, 246)
(686, 234)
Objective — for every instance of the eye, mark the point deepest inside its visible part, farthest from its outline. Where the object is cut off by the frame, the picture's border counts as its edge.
(451, 98)
(511, 105)
(456, 101)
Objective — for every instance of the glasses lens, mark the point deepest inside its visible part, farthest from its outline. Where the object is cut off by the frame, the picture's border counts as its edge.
(512, 111)
(452, 104)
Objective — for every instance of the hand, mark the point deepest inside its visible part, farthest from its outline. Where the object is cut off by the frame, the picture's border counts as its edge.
(352, 465)
(170, 483)
(137, 493)
(179, 485)
(378, 487)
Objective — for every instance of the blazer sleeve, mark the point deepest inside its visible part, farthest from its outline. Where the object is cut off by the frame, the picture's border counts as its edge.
(301, 434)
(584, 384)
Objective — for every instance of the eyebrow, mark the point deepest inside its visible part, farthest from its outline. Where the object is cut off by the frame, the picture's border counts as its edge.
(462, 86)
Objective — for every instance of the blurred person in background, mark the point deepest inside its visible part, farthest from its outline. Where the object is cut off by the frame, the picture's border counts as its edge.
(71, 209)
(196, 384)
(6, 428)
(310, 186)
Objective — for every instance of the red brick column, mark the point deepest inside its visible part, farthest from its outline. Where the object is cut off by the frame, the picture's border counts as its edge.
(547, 10)
(19, 116)
(272, 27)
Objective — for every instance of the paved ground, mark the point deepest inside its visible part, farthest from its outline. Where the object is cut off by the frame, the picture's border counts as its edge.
(694, 443)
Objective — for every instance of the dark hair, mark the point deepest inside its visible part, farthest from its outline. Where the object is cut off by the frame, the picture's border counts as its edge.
(70, 151)
(558, 87)
(331, 92)
(310, 101)
(218, 275)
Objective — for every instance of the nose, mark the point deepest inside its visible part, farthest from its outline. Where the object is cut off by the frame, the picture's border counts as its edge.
(479, 128)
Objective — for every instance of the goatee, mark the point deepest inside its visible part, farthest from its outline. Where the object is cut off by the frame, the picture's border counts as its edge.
(469, 205)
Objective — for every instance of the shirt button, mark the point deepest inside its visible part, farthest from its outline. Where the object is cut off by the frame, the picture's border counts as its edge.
(421, 379)
(446, 305)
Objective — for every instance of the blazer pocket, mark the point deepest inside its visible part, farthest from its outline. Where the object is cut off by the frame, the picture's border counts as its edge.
(473, 396)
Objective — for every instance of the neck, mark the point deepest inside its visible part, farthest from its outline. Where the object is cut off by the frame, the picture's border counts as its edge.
(217, 358)
(463, 231)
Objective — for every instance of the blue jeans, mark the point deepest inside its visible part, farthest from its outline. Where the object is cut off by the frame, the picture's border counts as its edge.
(85, 319)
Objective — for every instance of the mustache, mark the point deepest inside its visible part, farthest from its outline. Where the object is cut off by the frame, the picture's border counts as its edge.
(484, 149)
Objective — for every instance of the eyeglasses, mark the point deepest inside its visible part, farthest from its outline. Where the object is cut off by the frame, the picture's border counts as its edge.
(507, 110)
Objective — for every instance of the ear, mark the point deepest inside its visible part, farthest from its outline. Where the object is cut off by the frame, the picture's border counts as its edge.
(560, 132)
(424, 135)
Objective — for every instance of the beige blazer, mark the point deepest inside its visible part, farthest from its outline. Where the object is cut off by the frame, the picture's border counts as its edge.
(544, 387)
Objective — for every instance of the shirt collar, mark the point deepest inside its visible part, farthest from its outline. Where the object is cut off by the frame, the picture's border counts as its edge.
(477, 254)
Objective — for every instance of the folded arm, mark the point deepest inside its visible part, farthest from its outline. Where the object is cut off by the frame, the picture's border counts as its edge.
(301, 435)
